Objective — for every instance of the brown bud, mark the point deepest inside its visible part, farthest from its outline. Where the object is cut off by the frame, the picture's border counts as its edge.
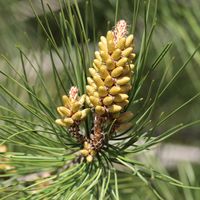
(124, 127)
(125, 117)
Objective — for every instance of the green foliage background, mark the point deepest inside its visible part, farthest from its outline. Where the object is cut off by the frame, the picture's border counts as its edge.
(44, 45)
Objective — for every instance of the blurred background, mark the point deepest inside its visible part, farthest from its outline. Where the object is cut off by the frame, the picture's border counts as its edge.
(178, 21)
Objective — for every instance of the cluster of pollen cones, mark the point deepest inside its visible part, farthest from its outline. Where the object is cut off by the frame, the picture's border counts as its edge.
(107, 91)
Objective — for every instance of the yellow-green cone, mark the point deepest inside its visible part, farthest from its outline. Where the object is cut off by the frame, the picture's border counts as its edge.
(71, 111)
(111, 74)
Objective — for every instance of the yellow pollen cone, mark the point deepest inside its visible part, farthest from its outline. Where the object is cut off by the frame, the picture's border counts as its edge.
(84, 113)
(87, 100)
(102, 90)
(68, 121)
(84, 152)
(104, 55)
(128, 73)
(114, 108)
(60, 122)
(103, 71)
(76, 106)
(109, 36)
(125, 88)
(108, 81)
(123, 81)
(96, 94)
(122, 61)
(97, 55)
(110, 64)
(90, 90)
(111, 46)
(91, 82)
(126, 70)
(99, 82)
(92, 152)
(121, 43)
(115, 90)
(116, 54)
(89, 158)
(107, 101)
(127, 52)
(100, 110)
(132, 66)
(77, 116)
(63, 111)
(102, 46)
(129, 41)
(120, 97)
(66, 101)
(82, 99)
(117, 72)
(95, 101)
(87, 145)
(132, 56)
(97, 63)
(103, 39)
(92, 71)
(123, 103)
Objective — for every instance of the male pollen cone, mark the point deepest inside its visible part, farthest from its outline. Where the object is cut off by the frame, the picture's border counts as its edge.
(111, 72)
